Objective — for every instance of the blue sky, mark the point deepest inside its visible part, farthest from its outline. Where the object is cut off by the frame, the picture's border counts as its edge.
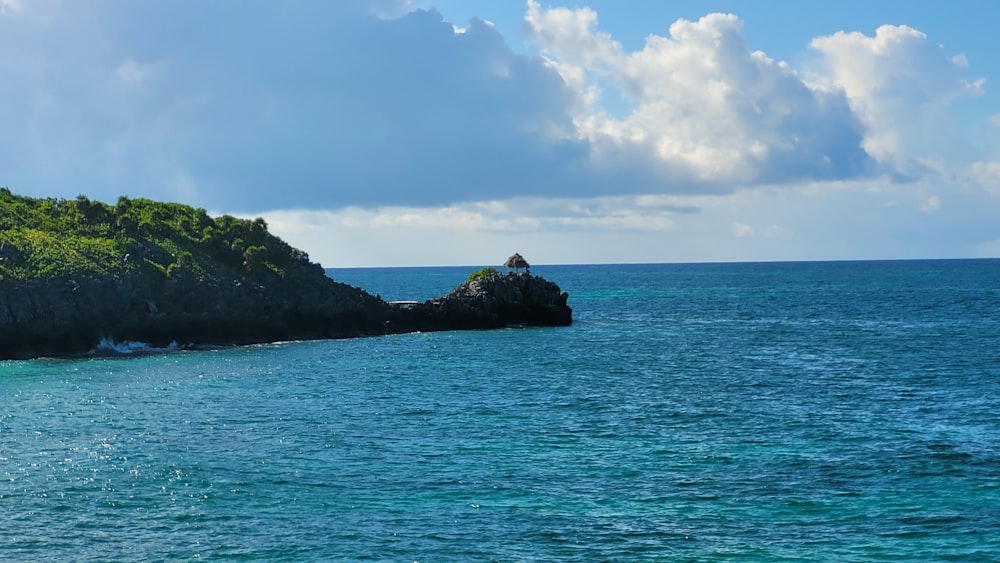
(440, 132)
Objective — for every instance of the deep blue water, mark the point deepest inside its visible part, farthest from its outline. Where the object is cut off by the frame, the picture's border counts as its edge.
(845, 411)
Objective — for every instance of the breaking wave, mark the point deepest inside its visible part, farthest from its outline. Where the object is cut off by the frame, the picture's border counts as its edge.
(110, 347)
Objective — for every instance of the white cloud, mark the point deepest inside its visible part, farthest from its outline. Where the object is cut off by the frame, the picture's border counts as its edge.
(498, 217)
(326, 107)
(982, 175)
(273, 113)
(900, 85)
(743, 230)
(131, 72)
(705, 109)
(391, 9)
(994, 120)
(572, 37)
(10, 7)
(832, 220)
(932, 203)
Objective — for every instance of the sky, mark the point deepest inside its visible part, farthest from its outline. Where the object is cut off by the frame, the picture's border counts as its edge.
(457, 132)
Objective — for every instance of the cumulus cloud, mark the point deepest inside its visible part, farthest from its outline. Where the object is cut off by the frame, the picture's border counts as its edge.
(335, 106)
(704, 108)
(395, 120)
(391, 9)
(901, 86)
(328, 106)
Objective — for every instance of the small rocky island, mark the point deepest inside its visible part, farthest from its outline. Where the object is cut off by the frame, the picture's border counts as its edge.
(76, 273)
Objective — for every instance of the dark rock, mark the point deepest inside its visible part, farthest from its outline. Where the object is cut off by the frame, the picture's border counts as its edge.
(62, 316)
(492, 302)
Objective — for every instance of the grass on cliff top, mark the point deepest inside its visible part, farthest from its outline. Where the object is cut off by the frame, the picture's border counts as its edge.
(50, 237)
(482, 274)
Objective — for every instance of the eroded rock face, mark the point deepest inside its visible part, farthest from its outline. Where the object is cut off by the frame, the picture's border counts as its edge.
(63, 316)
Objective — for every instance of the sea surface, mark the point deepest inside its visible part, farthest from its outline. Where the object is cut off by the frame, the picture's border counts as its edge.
(835, 411)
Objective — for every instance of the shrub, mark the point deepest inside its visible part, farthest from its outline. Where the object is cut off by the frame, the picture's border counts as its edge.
(48, 237)
(482, 274)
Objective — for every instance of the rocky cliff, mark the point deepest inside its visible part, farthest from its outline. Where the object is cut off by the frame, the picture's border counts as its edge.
(74, 273)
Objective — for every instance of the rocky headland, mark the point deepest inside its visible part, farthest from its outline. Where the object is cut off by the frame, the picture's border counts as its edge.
(75, 273)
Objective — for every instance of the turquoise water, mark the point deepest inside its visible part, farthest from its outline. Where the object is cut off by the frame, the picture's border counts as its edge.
(749, 412)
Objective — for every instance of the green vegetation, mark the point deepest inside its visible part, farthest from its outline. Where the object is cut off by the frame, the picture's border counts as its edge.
(482, 274)
(48, 237)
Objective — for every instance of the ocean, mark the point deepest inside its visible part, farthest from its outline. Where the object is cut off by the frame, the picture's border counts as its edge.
(827, 411)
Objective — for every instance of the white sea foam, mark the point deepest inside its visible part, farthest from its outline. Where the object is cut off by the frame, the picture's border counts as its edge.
(130, 347)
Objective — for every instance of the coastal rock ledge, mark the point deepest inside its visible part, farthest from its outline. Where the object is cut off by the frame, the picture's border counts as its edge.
(68, 316)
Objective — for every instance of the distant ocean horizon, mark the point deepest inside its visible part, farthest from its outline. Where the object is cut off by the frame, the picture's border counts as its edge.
(754, 411)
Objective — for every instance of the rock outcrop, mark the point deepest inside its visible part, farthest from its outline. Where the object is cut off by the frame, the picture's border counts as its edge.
(492, 302)
(66, 316)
